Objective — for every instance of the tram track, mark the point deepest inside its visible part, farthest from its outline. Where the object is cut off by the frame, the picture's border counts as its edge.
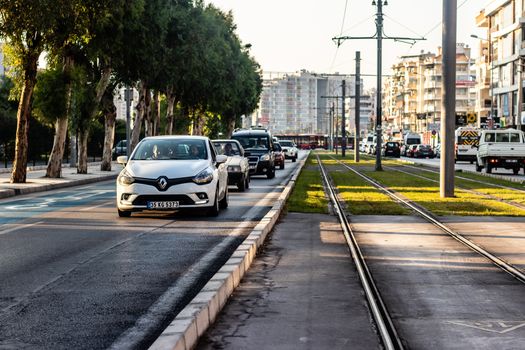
(429, 217)
(478, 193)
(385, 326)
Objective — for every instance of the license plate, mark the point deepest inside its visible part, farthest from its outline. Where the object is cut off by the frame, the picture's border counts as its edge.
(163, 205)
(253, 166)
(512, 160)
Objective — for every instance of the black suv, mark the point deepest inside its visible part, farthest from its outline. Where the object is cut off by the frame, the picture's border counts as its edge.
(391, 149)
(258, 148)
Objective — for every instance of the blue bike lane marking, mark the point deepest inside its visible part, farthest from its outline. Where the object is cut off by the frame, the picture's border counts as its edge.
(17, 210)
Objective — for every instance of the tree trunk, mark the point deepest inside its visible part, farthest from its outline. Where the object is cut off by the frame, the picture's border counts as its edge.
(82, 151)
(109, 139)
(155, 111)
(170, 96)
(137, 125)
(230, 126)
(19, 172)
(54, 165)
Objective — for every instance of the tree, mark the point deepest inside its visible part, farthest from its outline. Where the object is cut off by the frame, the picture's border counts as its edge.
(74, 30)
(25, 25)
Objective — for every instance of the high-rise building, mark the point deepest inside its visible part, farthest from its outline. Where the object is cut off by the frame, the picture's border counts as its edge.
(300, 103)
(413, 93)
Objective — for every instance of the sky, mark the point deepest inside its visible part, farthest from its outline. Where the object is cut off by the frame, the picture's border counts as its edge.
(290, 35)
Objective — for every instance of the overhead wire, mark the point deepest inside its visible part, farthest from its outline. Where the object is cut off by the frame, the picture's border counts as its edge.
(341, 32)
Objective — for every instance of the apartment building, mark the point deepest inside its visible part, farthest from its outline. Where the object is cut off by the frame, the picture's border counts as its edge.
(413, 93)
(300, 102)
(500, 94)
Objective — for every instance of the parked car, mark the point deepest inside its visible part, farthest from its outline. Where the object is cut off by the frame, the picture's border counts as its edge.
(423, 151)
(391, 148)
(172, 172)
(120, 149)
(289, 149)
(437, 150)
(258, 148)
(237, 164)
(279, 155)
(410, 149)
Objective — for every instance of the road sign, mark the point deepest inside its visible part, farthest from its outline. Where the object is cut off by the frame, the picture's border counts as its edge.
(434, 132)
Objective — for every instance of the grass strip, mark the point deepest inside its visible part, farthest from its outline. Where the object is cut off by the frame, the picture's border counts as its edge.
(308, 194)
(426, 194)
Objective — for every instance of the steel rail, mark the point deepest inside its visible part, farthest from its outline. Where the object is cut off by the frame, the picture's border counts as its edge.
(387, 331)
(424, 168)
(514, 272)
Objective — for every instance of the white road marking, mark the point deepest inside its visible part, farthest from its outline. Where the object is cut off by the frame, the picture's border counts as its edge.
(20, 227)
(493, 326)
(96, 206)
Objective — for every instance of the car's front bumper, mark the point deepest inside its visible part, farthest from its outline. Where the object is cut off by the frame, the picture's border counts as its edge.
(135, 197)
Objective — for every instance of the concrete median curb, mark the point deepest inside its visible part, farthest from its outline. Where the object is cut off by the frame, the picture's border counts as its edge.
(184, 331)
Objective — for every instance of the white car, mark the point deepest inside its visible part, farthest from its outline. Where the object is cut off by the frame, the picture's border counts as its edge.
(289, 149)
(172, 172)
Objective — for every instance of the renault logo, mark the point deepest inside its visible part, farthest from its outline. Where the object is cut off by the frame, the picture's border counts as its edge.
(162, 182)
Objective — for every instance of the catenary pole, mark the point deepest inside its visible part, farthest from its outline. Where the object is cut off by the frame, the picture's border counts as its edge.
(357, 105)
(379, 100)
(127, 96)
(448, 89)
(379, 36)
(343, 119)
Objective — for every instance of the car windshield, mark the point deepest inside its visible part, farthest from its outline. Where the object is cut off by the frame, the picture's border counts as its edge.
(277, 147)
(424, 147)
(286, 143)
(169, 149)
(253, 141)
(227, 148)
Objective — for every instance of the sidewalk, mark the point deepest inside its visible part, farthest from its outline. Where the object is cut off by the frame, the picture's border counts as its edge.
(302, 292)
(37, 182)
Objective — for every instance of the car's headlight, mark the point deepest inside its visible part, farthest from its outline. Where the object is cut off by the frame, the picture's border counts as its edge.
(125, 179)
(234, 169)
(204, 177)
(265, 157)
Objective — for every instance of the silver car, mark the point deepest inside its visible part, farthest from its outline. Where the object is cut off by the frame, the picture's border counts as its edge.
(172, 172)
(237, 164)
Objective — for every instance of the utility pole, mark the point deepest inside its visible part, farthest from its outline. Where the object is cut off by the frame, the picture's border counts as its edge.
(343, 126)
(448, 121)
(331, 128)
(379, 36)
(357, 105)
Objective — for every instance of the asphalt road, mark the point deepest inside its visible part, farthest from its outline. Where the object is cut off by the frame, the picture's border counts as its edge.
(75, 276)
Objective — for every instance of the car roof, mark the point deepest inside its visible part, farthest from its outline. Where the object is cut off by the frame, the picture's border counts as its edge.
(226, 140)
(175, 137)
(251, 132)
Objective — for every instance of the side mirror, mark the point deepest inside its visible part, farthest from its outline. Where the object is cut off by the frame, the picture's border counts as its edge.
(221, 159)
(122, 160)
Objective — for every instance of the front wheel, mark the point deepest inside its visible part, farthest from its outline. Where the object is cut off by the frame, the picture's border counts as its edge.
(271, 173)
(214, 210)
(124, 213)
(294, 159)
(281, 166)
(516, 170)
(223, 204)
(241, 185)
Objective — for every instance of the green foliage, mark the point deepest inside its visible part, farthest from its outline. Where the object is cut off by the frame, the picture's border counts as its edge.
(49, 97)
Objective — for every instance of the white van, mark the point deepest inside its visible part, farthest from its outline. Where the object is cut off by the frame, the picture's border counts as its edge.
(467, 142)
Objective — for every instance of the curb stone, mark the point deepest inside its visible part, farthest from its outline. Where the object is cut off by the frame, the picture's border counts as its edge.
(184, 331)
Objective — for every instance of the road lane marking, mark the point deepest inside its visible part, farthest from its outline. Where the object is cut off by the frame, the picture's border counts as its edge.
(20, 227)
(494, 326)
(96, 206)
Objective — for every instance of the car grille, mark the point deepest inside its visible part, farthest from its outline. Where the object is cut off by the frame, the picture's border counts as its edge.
(181, 198)
(253, 160)
(170, 182)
